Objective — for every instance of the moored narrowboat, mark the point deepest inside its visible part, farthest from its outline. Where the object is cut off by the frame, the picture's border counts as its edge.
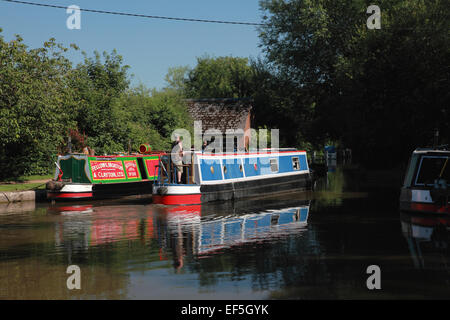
(82, 176)
(427, 182)
(228, 176)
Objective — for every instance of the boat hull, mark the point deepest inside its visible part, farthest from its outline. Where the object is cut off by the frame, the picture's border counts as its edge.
(85, 191)
(194, 194)
(176, 194)
(421, 201)
(254, 188)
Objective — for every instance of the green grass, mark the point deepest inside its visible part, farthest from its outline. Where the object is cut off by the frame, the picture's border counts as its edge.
(20, 187)
(22, 179)
(19, 184)
(36, 177)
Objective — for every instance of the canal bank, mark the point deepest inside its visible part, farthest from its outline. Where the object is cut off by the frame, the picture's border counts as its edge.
(38, 195)
(23, 189)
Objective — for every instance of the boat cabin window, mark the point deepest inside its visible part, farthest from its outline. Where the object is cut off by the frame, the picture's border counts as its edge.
(274, 165)
(431, 168)
(295, 163)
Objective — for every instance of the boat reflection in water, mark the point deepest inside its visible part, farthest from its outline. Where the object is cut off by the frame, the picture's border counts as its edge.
(198, 231)
(195, 231)
(428, 240)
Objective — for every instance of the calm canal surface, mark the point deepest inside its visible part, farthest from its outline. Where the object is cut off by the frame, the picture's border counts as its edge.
(313, 246)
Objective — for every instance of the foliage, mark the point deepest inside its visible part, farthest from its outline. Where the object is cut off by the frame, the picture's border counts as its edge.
(222, 77)
(376, 91)
(151, 116)
(44, 100)
(176, 78)
(35, 104)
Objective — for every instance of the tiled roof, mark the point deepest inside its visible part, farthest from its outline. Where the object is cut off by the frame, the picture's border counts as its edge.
(220, 114)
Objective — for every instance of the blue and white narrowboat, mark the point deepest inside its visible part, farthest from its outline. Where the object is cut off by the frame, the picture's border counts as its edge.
(228, 176)
(427, 182)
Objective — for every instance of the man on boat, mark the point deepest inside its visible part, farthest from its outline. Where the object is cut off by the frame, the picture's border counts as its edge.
(177, 156)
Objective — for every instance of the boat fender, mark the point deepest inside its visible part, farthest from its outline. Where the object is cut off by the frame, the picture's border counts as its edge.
(54, 185)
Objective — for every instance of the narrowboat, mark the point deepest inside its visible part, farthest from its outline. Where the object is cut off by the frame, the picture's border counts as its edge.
(227, 176)
(426, 185)
(83, 176)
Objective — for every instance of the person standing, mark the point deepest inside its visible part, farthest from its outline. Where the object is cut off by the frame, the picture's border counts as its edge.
(177, 156)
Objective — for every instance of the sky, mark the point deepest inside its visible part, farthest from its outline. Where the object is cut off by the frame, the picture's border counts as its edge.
(148, 46)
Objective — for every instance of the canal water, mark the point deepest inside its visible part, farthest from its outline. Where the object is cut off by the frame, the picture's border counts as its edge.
(296, 246)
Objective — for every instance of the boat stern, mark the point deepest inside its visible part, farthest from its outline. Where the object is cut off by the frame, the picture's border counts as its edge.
(176, 194)
(61, 190)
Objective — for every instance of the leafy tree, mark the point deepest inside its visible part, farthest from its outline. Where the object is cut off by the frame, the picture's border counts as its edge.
(98, 82)
(176, 78)
(222, 77)
(35, 105)
(279, 104)
(151, 116)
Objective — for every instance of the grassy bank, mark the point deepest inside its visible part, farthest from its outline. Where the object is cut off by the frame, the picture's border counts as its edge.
(21, 187)
(25, 183)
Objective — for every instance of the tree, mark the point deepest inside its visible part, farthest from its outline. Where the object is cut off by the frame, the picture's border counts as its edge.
(222, 77)
(374, 90)
(98, 82)
(151, 116)
(35, 104)
(279, 104)
(176, 78)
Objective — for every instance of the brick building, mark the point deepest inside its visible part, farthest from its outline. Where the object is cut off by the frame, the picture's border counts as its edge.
(229, 117)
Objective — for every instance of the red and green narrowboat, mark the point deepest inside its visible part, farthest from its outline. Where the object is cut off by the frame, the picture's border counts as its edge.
(81, 176)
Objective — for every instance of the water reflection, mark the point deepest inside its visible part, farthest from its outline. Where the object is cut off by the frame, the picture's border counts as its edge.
(285, 247)
(114, 244)
(184, 230)
(198, 231)
(428, 240)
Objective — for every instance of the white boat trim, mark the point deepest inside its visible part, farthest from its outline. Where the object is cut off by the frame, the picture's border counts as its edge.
(176, 190)
(421, 196)
(72, 187)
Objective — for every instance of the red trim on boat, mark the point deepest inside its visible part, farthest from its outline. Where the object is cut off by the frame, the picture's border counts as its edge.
(72, 195)
(177, 199)
(426, 207)
(430, 222)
